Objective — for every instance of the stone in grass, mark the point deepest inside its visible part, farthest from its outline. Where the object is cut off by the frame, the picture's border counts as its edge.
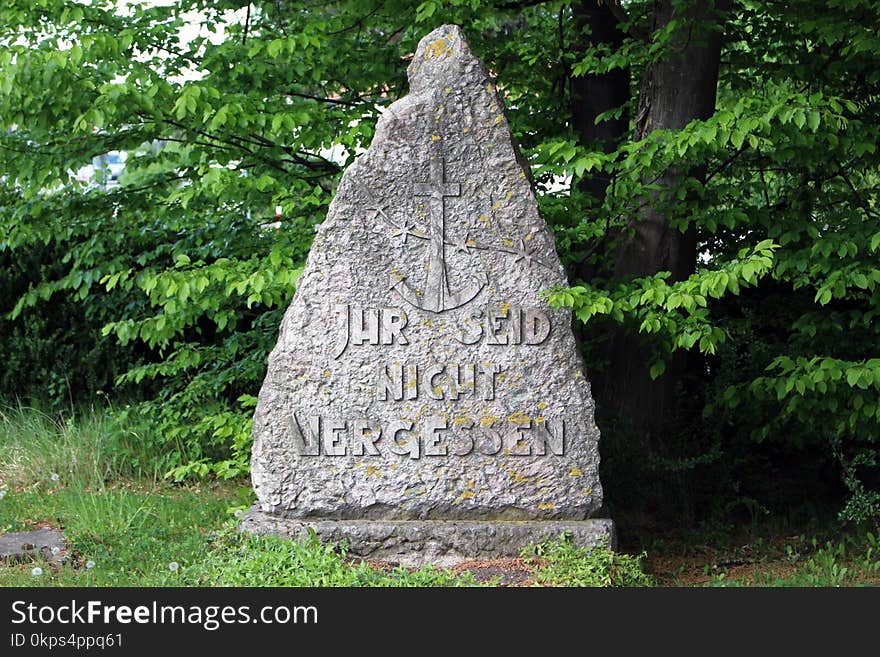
(423, 401)
(28, 546)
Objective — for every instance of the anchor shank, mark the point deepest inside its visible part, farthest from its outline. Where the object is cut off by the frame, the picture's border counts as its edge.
(437, 284)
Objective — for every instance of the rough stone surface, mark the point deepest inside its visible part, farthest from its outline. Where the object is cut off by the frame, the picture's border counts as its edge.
(26, 546)
(439, 542)
(418, 374)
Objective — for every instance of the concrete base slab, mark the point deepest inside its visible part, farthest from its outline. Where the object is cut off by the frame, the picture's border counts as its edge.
(439, 542)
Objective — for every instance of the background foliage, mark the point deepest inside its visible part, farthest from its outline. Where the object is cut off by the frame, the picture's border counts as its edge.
(165, 292)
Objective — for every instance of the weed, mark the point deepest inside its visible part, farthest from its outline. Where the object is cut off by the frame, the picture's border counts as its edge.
(561, 563)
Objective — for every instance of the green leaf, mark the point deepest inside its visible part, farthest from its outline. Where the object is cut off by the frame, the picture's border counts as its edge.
(657, 369)
(852, 376)
(274, 47)
(737, 137)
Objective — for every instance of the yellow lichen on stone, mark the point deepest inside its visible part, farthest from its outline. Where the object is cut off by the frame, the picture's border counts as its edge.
(507, 242)
(484, 218)
(519, 418)
(575, 472)
(437, 49)
(488, 421)
(505, 307)
(461, 420)
(466, 130)
(326, 372)
(518, 478)
(546, 506)
(373, 472)
(495, 206)
(435, 137)
(499, 119)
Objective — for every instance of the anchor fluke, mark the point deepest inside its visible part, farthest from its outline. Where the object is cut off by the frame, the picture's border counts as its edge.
(456, 299)
(437, 303)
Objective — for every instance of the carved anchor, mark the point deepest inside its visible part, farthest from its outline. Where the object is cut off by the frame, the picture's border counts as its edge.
(437, 296)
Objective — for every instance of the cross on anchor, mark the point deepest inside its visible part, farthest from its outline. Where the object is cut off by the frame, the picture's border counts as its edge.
(437, 296)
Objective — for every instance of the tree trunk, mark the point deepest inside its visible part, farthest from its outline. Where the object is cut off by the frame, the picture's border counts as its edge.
(593, 94)
(677, 89)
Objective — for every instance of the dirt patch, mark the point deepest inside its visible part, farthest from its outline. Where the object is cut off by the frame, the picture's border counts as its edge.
(505, 572)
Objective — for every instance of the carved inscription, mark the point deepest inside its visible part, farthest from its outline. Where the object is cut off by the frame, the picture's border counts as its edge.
(408, 381)
(373, 326)
(434, 436)
(405, 381)
(496, 324)
(505, 324)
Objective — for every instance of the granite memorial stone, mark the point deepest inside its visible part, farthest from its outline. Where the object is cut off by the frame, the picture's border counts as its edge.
(423, 402)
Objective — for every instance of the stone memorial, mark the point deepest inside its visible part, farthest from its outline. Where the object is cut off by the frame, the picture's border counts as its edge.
(423, 402)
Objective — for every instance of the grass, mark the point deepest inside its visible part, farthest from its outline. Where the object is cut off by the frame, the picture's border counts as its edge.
(136, 529)
(769, 555)
(560, 563)
(131, 533)
(239, 560)
(86, 450)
